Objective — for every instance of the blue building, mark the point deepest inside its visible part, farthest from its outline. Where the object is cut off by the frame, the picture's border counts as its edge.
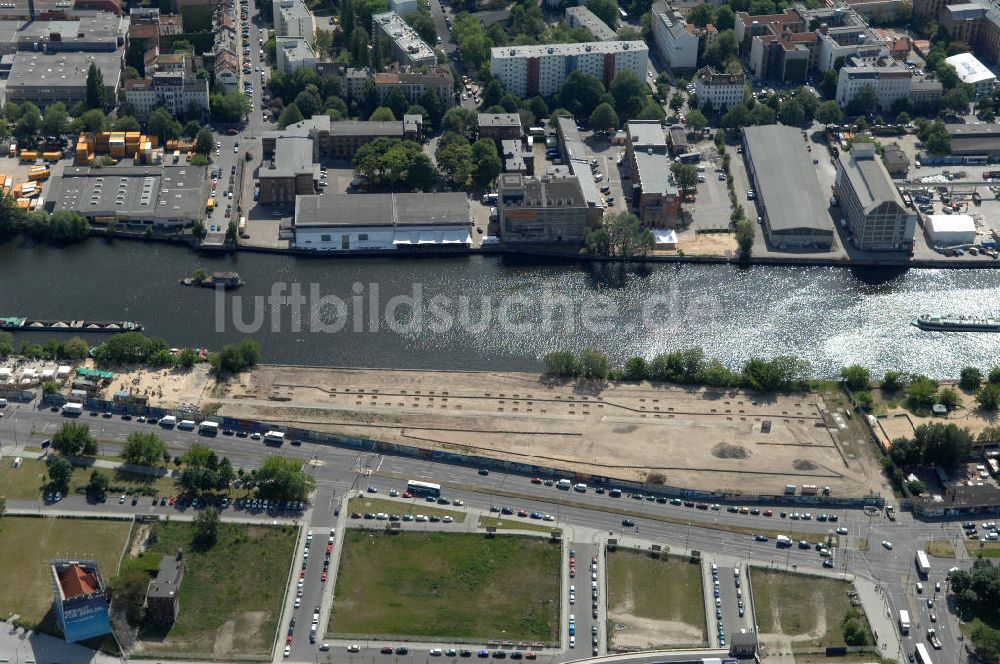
(80, 598)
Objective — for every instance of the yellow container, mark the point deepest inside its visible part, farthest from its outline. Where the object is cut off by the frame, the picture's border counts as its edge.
(29, 155)
(35, 176)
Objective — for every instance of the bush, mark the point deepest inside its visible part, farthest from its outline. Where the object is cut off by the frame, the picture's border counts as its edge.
(893, 381)
(948, 398)
(856, 377)
(561, 363)
(970, 379)
(920, 394)
(916, 487)
(994, 376)
(988, 397)
(865, 400)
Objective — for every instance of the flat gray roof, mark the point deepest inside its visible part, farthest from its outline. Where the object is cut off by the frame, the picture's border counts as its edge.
(786, 180)
(141, 192)
(588, 19)
(647, 133)
(539, 50)
(165, 584)
(292, 155)
(412, 209)
(654, 173)
(868, 177)
(499, 120)
(62, 70)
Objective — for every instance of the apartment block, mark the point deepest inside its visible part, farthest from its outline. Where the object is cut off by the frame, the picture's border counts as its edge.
(674, 40)
(293, 19)
(541, 69)
(582, 17)
(294, 53)
(411, 80)
(654, 195)
(405, 45)
(890, 80)
(176, 88)
(719, 90)
(872, 207)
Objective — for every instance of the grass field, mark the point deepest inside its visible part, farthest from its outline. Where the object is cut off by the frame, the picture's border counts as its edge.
(26, 482)
(231, 594)
(787, 603)
(364, 504)
(26, 544)
(989, 549)
(655, 598)
(461, 585)
(941, 548)
(514, 524)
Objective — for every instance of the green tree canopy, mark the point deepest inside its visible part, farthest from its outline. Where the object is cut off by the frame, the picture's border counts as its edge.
(143, 448)
(604, 118)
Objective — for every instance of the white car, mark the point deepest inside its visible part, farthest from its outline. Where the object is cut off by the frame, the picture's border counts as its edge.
(447, 519)
(354, 647)
(548, 517)
(841, 531)
(288, 651)
(887, 544)
(298, 602)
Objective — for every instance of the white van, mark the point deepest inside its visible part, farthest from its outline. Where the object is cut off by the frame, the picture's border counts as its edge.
(581, 487)
(564, 484)
(3, 403)
(168, 421)
(186, 424)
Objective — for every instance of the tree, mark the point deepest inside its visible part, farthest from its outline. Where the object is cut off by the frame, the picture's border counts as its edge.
(630, 94)
(561, 363)
(948, 398)
(957, 100)
(988, 397)
(309, 103)
(29, 121)
(234, 358)
(290, 116)
(98, 484)
(695, 120)
(763, 114)
(397, 102)
(228, 107)
(993, 377)
(594, 365)
(56, 119)
(205, 142)
(163, 125)
(580, 94)
(686, 175)
(143, 448)
(970, 378)
(792, 114)
(620, 234)
(127, 123)
(635, 369)
(454, 158)
(206, 528)
(944, 445)
(423, 23)
(892, 381)
(856, 377)
(432, 104)
(421, 174)
(486, 164)
(97, 96)
(459, 120)
(283, 479)
(652, 111)
(783, 373)
(73, 439)
(920, 394)
(128, 348)
(604, 118)
(60, 471)
(382, 114)
(606, 10)
(676, 103)
(864, 102)
(493, 92)
(829, 113)
(702, 15)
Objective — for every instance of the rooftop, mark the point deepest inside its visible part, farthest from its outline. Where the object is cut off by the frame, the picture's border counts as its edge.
(708, 76)
(63, 69)
(141, 192)
(76, 581)
(499, 120)
(588, 19)
(787, 181)
(405, 37)
(868, 177)
(654, 173)
(969, 69)
(392, 210)
(646, 133)
(539, 50)
(295, 48)
(165, 583)
(547, 191)
(84, 28)
(292, 155)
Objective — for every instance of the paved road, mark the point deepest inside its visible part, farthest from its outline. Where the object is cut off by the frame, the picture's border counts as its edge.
(339, 470)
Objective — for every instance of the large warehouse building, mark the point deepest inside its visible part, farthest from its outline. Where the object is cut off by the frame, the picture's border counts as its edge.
(80, 599)
(872, 207)
(789, 197)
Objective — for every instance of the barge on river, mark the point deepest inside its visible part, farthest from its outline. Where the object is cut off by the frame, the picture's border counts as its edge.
(937, 323)
(16, 324)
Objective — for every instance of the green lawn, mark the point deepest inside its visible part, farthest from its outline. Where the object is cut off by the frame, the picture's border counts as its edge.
(231, 594)
(668, 588)
(514, 524)
(364, 504)
(26, 482)
(788, 603)
(26, 545)
(440, 585)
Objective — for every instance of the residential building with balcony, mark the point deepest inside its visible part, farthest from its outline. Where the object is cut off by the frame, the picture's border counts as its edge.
(720, 90)
(541, 69)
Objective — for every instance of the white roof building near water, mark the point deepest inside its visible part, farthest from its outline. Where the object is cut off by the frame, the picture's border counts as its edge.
(951, 230)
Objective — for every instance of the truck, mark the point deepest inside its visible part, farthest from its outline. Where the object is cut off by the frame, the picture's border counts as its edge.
(933, 638)
(564, 484)
(274, 438)
(790, 489)
(904, 622)
(923, 563)
(890, 512)
(72, 408)
(168, 421)
(783, 541)
(208, 428)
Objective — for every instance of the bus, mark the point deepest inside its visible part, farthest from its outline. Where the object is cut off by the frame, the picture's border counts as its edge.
(423, 488)
(689, 157)
(923, 657)
(71, 409)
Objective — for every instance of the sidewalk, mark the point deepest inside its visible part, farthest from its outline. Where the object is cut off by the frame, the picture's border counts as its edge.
(876, 607)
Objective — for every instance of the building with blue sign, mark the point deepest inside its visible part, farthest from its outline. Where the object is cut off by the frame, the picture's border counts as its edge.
(80, 598)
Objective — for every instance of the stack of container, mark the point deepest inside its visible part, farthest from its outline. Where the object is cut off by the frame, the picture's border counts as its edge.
(117, 144)
(54, 155)
(6, 184)
(84, 150)
(29, 155)
(102, 143)
(38, 173)
(132, 143)
(27, 190)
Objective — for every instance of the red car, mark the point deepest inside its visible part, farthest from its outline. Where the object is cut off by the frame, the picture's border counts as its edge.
(768, 513)
(572, 572)
(386, 650)
(288, 640)
(536, 480)
(522, 513)
(323, 578)
(329, 548)
(302, 574)
(530, 655)
(172, 500)
(406, 494)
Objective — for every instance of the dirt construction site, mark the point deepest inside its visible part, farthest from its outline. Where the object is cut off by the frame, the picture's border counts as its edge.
(708, 439)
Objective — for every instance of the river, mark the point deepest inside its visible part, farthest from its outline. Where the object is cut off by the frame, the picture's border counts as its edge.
(517, 310)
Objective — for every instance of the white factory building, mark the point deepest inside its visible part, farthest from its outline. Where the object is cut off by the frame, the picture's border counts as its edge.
(973, 72)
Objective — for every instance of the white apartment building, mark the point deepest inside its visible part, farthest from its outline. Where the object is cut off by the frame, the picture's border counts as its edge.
(293, 19)
(890, 80)
(405, 45)
(675, 41)
(721, 90)
(175, 89)
(293, 53)
(541, 69)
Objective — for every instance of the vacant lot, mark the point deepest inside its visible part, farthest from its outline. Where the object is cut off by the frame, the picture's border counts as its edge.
(463, 586)
(654, 602)
(27, 544)
(941, 548)
(231, 594)
(798, 610)
(713, 439)
(363, 504)
(27, 482)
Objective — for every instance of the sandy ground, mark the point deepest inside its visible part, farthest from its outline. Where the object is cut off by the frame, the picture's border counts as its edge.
(167, 388)
(967, 415)
(723, 440)
(708, 244)
(645, 634)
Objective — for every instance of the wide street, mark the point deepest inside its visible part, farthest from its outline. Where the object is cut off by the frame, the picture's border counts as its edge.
(339, 470)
